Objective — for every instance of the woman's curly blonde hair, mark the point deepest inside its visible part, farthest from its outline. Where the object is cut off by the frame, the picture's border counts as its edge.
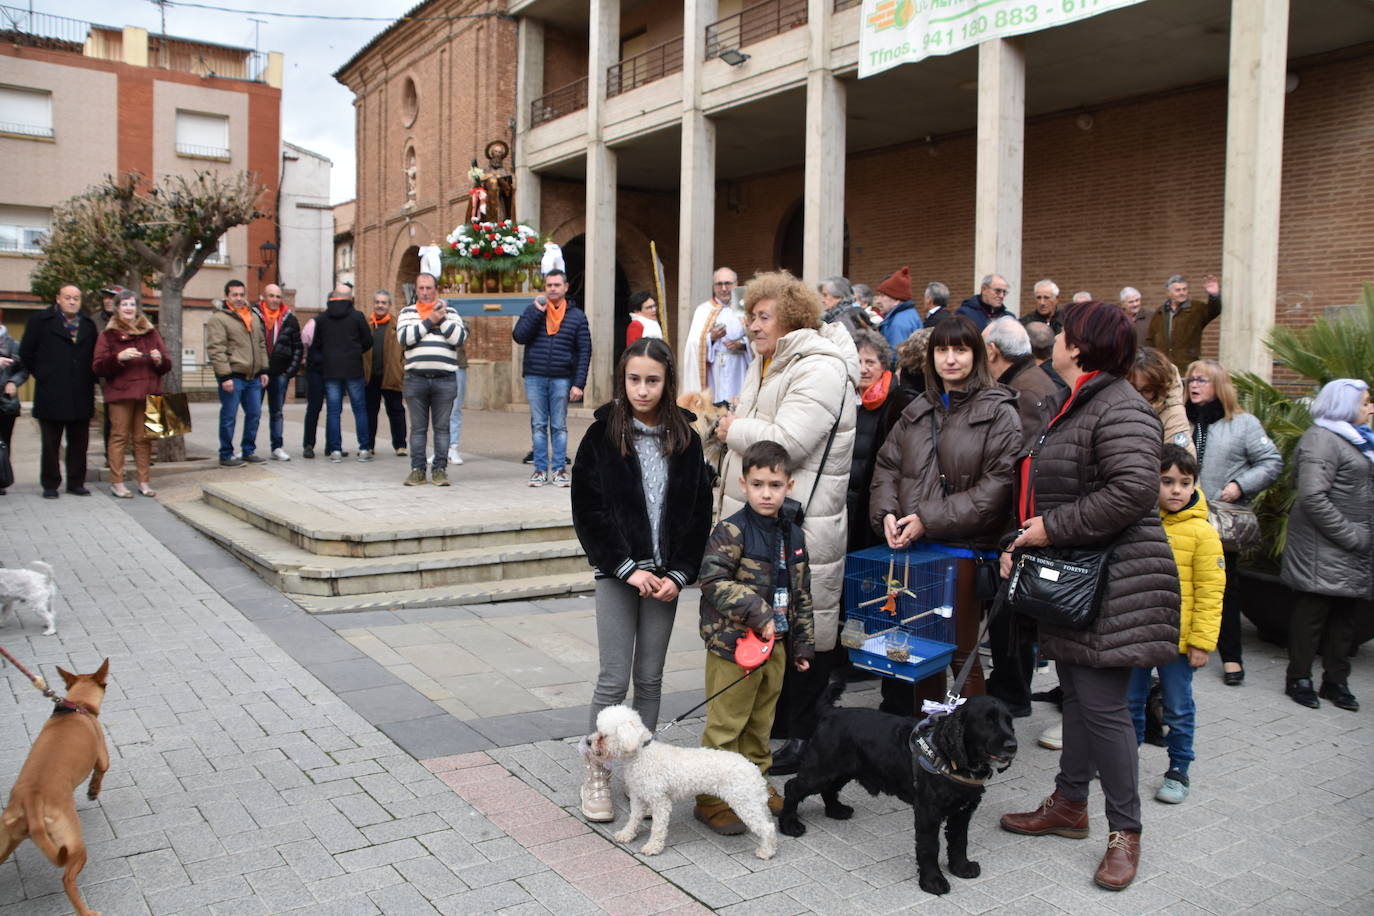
(797, 304)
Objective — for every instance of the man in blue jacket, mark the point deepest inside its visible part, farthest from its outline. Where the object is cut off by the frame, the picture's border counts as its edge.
(558, 350)
(987, 305)
(900, 318)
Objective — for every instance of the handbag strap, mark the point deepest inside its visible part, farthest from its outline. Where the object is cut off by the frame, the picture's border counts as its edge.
(820, 468)
(935, 436)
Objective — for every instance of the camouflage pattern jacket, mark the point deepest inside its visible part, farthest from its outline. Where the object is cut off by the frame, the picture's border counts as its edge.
(737, 576)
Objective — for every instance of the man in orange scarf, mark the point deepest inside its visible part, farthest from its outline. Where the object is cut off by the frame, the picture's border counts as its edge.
(236, 345)
(284, 354)
(558, 351)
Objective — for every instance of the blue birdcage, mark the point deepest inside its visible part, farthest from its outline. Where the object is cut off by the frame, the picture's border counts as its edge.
(899, 609)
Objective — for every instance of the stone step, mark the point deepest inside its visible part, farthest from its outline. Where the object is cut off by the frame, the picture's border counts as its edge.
(466, 575)
(324, 525)
(526, 589)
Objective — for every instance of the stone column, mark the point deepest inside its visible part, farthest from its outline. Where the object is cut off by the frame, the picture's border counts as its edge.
(599, 280)
(1001, 150)
(529, 85)
(1254, 167)
(824, 175)
(696, 251)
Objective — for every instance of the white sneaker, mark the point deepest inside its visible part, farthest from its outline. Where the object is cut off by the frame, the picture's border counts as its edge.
(453, 456)
(596, 794)
(279, 454)
(336, 456)
(1053, 737)
(364, 454)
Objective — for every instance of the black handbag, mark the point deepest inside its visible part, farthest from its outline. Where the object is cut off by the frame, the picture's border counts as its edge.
(9, 404)
(1062, 587)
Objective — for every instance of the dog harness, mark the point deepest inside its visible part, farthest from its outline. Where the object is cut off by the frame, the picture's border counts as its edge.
(930, 760)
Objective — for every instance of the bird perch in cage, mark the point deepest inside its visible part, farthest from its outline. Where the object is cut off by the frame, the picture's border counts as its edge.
(944, 611)
(894, 588)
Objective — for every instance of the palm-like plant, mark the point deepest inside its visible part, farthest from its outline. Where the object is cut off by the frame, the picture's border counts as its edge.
(1323, 351)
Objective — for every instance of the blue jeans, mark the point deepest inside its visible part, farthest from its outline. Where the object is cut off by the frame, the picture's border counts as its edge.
(357, 402)
(548, 399)
(276, 401)
(455, 418)
(248, 393)
(1176, 685)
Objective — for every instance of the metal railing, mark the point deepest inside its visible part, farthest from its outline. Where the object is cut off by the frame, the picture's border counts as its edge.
(753, 24)
(645, 67)
(563, 100)
(27, 130)
(42, 30)
(203, 152)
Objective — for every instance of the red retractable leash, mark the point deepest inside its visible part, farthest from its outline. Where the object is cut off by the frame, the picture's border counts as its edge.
(750, 654)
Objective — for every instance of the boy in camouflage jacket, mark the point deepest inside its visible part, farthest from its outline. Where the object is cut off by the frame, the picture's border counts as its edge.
(744, 587)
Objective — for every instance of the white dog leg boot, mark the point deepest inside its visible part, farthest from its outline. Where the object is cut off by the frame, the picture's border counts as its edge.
(596, 794)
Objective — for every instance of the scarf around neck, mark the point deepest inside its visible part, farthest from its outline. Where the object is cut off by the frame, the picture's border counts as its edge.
(553, 315)
(876, 394)
(385, 319)
(1347, 431)
(245, 315)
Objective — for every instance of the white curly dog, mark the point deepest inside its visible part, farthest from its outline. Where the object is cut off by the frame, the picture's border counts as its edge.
(656, 773)
(34, 587)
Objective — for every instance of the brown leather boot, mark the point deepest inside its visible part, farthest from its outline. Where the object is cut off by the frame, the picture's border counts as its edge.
(1056, 815)
(1117, 869)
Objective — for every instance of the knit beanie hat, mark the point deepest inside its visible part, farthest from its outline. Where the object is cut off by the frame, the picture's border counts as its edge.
(898, 286)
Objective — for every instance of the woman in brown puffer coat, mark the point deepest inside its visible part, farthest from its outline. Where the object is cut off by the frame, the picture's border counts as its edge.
(132, 359)
(1091, 479)
(944, 474)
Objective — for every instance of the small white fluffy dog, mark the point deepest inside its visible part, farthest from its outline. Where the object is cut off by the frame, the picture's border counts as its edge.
(656, 773)
(34, 586)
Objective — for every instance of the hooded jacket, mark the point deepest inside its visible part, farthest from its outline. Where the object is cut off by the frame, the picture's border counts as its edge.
(900, 323)
(1330, 545)
(1237, 450)
(342, 337)
(1169, 408)
(1093, 476)
(137, 378)
(611, 516)
(979, 437)
(810, 382)
(284, 354)
(1201, 573)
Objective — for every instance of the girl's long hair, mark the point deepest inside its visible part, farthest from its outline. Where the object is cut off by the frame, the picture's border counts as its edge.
(620, 425)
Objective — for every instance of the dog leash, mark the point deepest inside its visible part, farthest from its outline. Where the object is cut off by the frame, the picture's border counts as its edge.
(35, 679)
(952, 697)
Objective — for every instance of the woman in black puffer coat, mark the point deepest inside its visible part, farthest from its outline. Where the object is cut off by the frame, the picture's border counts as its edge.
(1091, 479)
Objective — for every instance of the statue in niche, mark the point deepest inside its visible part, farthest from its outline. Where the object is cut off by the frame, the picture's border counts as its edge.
(492, 196)
(410, 174)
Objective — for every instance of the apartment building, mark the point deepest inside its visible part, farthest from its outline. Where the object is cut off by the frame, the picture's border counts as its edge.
(79, 101)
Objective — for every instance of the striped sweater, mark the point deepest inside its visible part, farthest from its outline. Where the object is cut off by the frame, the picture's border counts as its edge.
(430, 348)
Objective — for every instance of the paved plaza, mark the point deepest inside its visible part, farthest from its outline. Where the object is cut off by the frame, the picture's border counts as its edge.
(419, 761)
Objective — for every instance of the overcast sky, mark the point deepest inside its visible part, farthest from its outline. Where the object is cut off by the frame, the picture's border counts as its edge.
(317, 112)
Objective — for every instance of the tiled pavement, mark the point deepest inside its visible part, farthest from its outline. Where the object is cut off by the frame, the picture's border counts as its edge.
(263, 763)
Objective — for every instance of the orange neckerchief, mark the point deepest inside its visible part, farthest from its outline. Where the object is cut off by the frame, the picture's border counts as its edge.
(385, 319)
(424, 308)
(245, 315)
(269, 317)
(553, 315)
(876, 394)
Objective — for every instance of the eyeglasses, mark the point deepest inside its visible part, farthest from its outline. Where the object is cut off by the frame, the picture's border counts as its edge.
(1001, 291)
(1197, 380)
(724, 283)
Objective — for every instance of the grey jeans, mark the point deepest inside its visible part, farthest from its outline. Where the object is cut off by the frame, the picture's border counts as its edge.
(428, 399)
(1099, 735)
(632, 635)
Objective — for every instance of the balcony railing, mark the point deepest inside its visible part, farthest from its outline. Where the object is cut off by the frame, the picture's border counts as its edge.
(645, 67)
(753, 24)
(562, 101)
(202, 152)
(42, 30)
(26, 130)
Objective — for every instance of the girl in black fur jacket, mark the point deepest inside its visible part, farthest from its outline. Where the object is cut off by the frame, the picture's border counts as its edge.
(641, 506)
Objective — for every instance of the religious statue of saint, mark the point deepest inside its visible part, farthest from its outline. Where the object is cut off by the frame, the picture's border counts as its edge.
(492, 196)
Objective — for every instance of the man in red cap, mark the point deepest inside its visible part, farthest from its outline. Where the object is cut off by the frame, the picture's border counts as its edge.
(893, 299)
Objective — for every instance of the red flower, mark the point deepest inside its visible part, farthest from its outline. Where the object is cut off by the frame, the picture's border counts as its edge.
(486, 254)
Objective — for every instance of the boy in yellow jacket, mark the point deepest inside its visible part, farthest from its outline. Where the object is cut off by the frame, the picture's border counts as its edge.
(1202, 580)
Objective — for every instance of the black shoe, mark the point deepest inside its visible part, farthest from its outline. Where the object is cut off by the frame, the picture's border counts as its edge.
(1233, 678)
(231, 462)
(1302, 693)
(529, 457)
(50, 494)
(307, 451)
(1340, 695)
(787, 759)
(254, 458)
(78, 491)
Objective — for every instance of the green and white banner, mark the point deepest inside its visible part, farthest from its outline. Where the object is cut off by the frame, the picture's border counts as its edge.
(893, 32)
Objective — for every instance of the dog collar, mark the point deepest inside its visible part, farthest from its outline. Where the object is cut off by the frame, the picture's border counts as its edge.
(65, 705)
(930, 760)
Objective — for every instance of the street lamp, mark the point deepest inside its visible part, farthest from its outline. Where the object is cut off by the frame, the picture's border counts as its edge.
(267, 253)
(733, 56)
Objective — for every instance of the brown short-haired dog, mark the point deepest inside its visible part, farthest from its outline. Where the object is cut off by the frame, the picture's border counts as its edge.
(71, 745)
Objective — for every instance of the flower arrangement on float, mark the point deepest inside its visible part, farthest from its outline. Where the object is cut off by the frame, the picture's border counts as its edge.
(492, 246)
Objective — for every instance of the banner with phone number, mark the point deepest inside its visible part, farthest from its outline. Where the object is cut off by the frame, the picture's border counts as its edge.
(893, 32)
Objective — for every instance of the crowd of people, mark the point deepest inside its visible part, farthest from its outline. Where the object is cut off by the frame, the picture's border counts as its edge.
(863, 419)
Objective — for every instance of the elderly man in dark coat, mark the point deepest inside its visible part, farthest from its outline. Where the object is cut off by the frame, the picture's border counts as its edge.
(58, 349)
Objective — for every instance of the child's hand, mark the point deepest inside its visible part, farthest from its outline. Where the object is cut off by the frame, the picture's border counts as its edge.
(667, 589)
(644, 581)
(803, 664)
(766, 633)
(1197, 658)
